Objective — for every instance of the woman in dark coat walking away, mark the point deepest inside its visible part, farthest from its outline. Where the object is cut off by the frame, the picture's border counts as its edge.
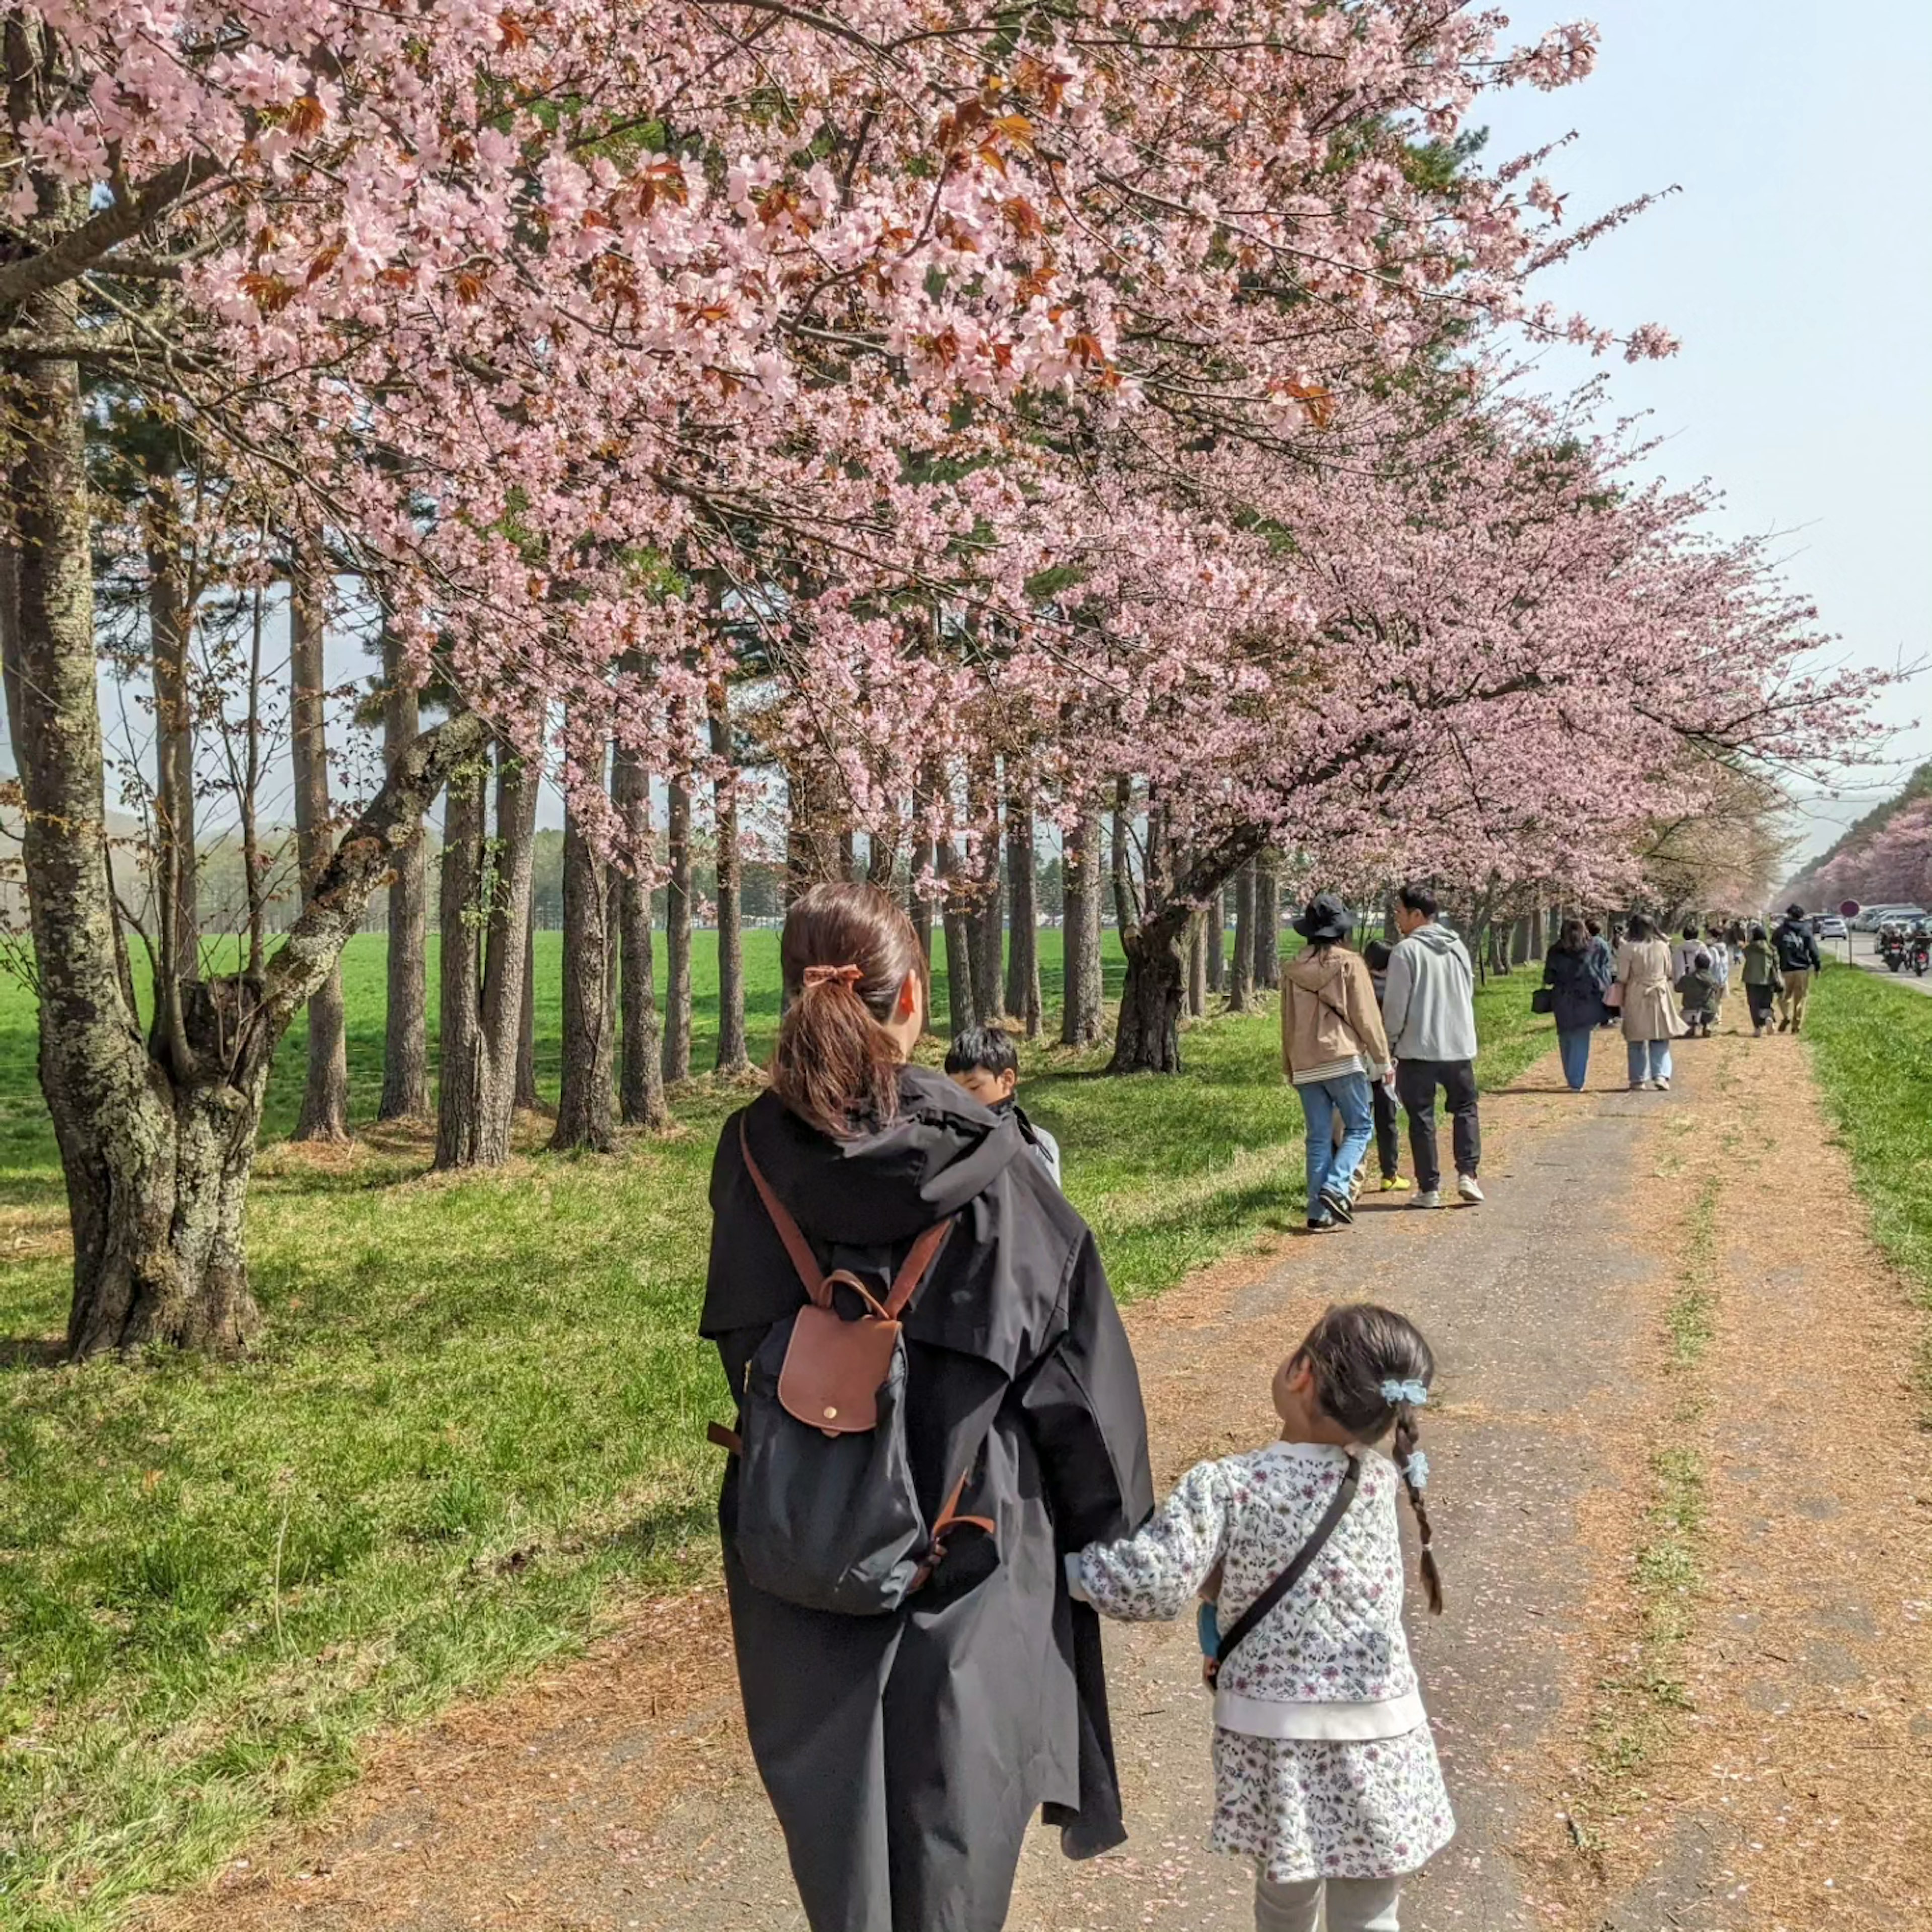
(1578, 972)
(905, 1753)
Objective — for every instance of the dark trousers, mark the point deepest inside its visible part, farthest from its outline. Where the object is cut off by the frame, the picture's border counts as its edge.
(1388, 1145)
(1416, 1081)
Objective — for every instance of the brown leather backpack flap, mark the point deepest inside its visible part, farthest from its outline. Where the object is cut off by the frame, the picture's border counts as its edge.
(834, 1370)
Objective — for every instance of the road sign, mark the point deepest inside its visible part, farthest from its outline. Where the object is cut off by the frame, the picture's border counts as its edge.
(1849, 908)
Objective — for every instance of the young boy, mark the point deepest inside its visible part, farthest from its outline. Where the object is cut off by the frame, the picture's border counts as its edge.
(982, 1060)
(1381, 1100)
(1700, 991)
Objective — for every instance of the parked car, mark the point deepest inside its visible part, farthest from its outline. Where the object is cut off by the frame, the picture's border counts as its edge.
(1829, 925)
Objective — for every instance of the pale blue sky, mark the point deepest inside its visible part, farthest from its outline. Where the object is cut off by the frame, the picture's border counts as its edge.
(1795, 265)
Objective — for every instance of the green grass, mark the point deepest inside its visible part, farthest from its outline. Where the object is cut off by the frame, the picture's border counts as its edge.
(473, 1430)
(1871, 1046)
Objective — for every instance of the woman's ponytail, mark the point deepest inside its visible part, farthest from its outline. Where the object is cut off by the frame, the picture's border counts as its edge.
(846, 954)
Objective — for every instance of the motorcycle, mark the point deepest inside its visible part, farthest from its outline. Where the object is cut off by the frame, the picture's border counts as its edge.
(1921, 955)
(1891, 950)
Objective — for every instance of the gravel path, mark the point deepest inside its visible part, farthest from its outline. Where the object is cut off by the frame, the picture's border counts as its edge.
(619, 1794)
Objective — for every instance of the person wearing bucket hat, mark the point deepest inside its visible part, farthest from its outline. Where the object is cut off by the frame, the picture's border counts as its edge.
(1333, 1047)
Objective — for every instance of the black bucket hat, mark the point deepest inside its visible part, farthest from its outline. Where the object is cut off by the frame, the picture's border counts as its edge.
(1325, 917)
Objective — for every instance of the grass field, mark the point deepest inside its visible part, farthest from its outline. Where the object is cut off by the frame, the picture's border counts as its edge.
(473, 1431)
(1871, 1043)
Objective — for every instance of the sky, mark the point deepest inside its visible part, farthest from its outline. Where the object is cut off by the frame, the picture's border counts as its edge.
(1795, 265)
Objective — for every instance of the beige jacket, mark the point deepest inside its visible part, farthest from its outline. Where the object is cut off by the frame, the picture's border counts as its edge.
(1650, 1003)
(1328, 1012)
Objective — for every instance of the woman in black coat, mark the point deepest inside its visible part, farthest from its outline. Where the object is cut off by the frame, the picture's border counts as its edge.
(906, 1754)
(1579, 970)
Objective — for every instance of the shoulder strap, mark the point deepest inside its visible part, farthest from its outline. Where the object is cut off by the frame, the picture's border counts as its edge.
(1338, 1508)
(905, 1284)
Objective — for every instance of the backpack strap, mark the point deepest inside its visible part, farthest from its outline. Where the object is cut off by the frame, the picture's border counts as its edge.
(948, 1522)
(818, 1284)
(1243, 1625)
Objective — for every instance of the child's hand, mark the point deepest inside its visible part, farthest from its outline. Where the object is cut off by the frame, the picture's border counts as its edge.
(1208, 1631)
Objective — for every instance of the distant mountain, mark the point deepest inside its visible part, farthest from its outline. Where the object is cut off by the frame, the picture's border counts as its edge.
(1802, 887)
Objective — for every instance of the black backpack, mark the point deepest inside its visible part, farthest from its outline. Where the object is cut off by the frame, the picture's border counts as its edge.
(1794, 948)
(827, 1516)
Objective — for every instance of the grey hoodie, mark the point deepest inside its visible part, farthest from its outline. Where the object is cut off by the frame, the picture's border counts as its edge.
(1430, 1009)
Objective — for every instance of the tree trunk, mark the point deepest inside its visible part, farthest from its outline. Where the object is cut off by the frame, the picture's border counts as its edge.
(177, 895)
(156, 1153)
(1268, 921)
(325, 1107)
(584, 1114)
(1082, 984)
(405, 1020)
(986, 932)
(882, 858)
(1126, 913)
(1197, 967)
(733, 1058)
(961, 1010)
(1022, 989)
(677, 934)
(1147, 1037)
(483, 999)
(1241, 966)
(640, 1092)
(525, 1098)
(252, 867)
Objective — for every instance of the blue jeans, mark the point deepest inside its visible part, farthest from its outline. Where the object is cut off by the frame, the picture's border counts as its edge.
(1330, 1166)
(1649, 1059)
(1573, 1043)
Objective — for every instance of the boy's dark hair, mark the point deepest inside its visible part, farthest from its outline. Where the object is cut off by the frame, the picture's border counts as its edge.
(982, 1049)
(1691, 930)
(1758, 932)
(1417, 898)
(1701, 961)
(1639, 929)
(1353, 1350)
(1594, 927)
(1377, 956)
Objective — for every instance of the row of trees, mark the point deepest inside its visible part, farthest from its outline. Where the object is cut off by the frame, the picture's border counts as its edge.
(1096, 415)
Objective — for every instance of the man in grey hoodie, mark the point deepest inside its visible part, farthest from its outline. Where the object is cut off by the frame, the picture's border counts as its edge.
(1429, 1012)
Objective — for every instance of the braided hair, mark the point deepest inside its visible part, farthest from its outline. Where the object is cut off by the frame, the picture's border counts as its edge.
(1354, 1351)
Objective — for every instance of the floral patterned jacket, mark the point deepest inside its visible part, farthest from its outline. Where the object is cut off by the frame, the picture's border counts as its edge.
(1337, 1637)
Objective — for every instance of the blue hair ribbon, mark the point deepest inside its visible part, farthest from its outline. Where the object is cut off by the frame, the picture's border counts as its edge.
(1415, 1471)
(1414, 1393)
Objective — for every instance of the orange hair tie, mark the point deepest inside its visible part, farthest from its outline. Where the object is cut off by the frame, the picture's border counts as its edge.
(827, 975)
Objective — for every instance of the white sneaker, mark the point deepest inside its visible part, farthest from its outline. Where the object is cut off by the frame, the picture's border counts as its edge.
(1465, 1185)
(1662, 1086)
(1429, 1198)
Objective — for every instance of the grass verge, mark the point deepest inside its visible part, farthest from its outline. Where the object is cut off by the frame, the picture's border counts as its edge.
(473, 1432)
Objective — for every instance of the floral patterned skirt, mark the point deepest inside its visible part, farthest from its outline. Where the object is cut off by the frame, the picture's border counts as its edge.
(1303, 1808)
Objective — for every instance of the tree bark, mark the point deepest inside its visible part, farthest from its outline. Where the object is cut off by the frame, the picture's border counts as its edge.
(1126, 913)
(1081, 983)
(405, 1018)
(1241, 965)
(252, 865)
(526, 1098)
(486, 905)
(1197, 967)
(1022, 989)
(156, 1155)
(961, 1010)
(677, 934)
(986, 932)
(176, 858)
(325, 1107)
(733, 1058)
(640, 1092)
(585, 1118)
(1268, 921)
(1147, 1037)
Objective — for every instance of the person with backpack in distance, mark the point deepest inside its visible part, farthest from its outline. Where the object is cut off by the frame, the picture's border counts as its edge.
(1576, 974)
(1763, 980)
(936, 1401)
(1382, 1093)
(1429, 1012)
(1325, 1772)
(1798, 958)
(984, 1061)
(1332, 1049)
(1699, 992)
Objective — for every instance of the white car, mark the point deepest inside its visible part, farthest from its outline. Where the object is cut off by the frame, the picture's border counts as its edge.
(1829, 925)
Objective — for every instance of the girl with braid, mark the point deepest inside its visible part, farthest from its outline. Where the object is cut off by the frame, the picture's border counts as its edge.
(1325, 1774)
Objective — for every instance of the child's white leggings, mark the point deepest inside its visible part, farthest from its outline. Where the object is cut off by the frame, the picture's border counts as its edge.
(1354, 1904)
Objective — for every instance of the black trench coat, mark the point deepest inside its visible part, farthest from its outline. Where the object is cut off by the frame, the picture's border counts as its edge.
(905, 1755)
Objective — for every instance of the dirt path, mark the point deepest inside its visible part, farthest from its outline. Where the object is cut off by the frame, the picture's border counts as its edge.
(1667, 1297)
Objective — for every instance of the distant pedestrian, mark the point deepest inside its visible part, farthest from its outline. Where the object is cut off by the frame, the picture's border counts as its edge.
(1604, 951)
(1325, 1774)
(1578, 973)
(1333, 1047)
(1684, 954)
(1698, 993)
(1763, 978)
(1798, 958)
(984, 1061)
(1430, 1012)
(1648, 1011)
(1722, 967)
(1382, 1093)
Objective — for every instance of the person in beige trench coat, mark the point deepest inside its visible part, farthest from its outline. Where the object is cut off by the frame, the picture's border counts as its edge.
(1651, 1020)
